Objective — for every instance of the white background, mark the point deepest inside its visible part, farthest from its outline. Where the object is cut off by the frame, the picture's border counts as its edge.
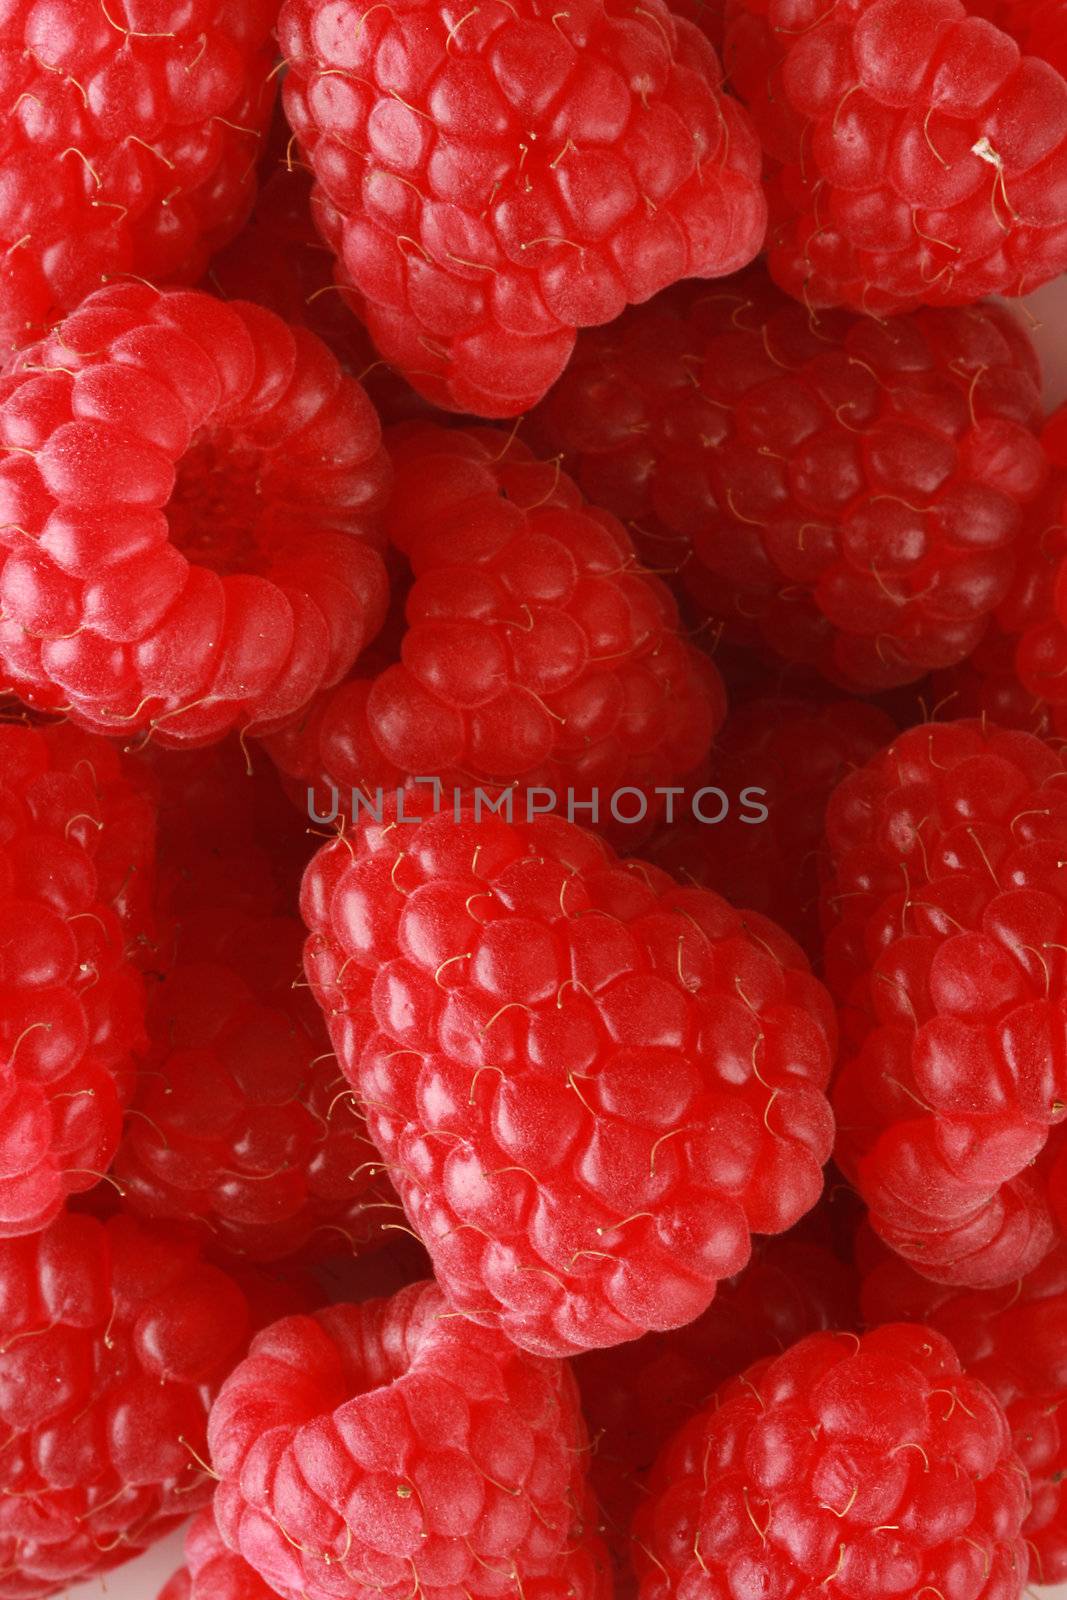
(143, 1579)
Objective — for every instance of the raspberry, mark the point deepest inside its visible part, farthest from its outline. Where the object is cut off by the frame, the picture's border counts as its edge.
(782, 756)
(947, 916)
(186, 515)
(914, 156)
(76, 849)
(212, 1572)
(847, 1468)
(493, 181)
(1040, 623)
(129, 144)
(371, 1447)
(280, 262)
(113, 1339)
(635, 1396)
(1016, 1347)
(537, 651)
(844, 492)
(590, 1086)
(238, 1125)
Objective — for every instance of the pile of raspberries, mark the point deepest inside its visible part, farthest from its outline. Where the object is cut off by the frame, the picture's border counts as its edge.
(533, 799)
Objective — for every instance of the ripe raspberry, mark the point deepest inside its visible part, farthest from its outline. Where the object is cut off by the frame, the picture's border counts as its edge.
(914, 156)
(238, 1124)
(844, 492)
(784, 757)
(187, 508)
(847, 1468)
(76, 848)
(114, 1337)
(635, 1396)
(1017, 1346)
(590, 1086)
(947, 950)
(493, 181)
(371, 1447)
(212, 1572)
(537, 651)
(279, 261)
(129, 144)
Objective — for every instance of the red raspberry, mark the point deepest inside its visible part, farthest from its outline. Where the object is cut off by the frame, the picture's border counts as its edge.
(129, 144)
(635, 1396)
(76, 848)
(280, 261)
(537, 651)
(590, 1086)
(187, 508)
(782, 757)
(242, 1123)
(948, 950)
(1017, 1345)
(848, 1468)
(212, 1572)
(493, 181)
(844, 492)
(1040, 625)
(371, 1447)
(114, 1337)
(914, 156)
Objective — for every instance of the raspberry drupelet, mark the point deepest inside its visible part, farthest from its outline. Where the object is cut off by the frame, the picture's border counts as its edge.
(846, 493)
(537, 651)
(129, 137)
(189, 494)
(914, 156)
(76, 869)
(241, 1124)
(1015, 1341)
(846, 1469)
(211, 1572)
(114, 1337)
(373, 1447)
(492, 181)
(590, 1086)
(946, 908)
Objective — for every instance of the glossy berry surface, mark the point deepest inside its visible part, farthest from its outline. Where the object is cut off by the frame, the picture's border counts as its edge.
(848, 1467)
(590, 1085)
(130, 135)
(373, 1446)
(913, 155)
(777, 762)
(76, 871)
(846, 493)
(492, 181)
(211, 1572)
(188, 493)
(113, 1338)
(241, 1123)
(1015, 1341)
(537, 651)
(946, 917)
(636, 1396)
